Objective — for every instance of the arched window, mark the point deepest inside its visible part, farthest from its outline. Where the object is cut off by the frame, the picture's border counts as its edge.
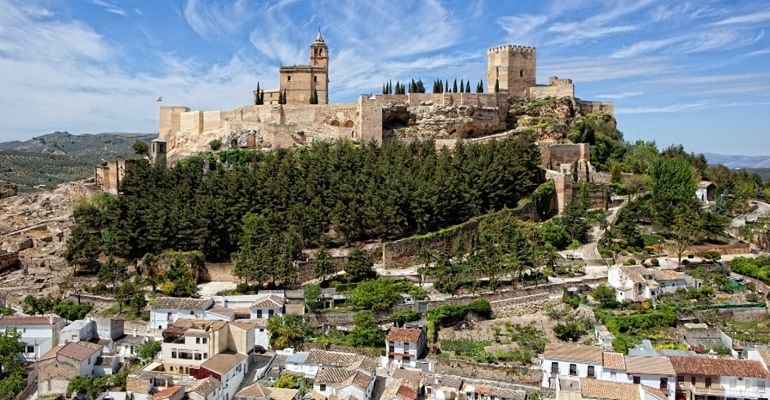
(348, 124)
(335, 123)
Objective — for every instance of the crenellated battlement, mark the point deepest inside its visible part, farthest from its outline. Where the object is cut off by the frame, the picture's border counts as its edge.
(511, 47)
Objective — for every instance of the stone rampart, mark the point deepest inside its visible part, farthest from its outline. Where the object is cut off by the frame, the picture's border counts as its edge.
(403, 253)
(553, 154)
(596, 107)
(505, 373)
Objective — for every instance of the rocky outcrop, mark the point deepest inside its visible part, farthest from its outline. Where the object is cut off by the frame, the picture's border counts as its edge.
(7, 190)
(550, 119)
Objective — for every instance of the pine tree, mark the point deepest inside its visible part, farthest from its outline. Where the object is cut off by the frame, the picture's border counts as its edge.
(454, 86)
(468, 87)
(497, 85)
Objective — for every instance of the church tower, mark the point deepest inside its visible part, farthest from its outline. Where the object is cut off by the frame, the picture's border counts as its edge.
(319, 63)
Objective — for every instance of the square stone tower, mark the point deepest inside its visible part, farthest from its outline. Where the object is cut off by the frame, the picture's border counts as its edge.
(513, 67)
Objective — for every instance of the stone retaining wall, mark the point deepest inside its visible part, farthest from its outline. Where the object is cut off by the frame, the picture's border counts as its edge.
(505, 373)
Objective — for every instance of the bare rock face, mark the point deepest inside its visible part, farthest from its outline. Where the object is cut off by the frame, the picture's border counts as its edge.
(429, 121)
(7, 190)
(246, 139)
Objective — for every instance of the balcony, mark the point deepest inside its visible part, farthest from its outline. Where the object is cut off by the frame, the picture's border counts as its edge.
(700, 389)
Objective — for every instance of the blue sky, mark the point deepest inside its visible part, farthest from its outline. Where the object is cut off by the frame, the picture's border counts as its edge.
(696, 73)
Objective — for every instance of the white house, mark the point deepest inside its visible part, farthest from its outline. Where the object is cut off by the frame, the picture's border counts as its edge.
(403, 347)
(720, 378)
(206, 389)
(567, 360)
(64, 362)
(228, 368)
(83, 329)
(706, 192)
(39, 334)
(654, 372)
(309, 363)
(637, 283)
(344, 383)
(166, 310)
(592, 389)
(613, 367)
(267, 306)
(442, 387)
(128, 346)
(261, 392)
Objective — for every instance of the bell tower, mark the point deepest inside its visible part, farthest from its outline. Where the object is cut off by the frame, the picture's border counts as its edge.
(319, 53)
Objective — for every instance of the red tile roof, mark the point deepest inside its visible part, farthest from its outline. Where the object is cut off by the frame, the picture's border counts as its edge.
(406, 335)
(705, 366)
(30, 320)
(79, 351)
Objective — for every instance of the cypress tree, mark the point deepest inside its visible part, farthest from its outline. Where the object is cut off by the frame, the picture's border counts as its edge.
(314, 97)
(390, 87)
(468, 87)
(446, 86)
(481, 87)
(257, 99)
(454, 86)
(420, 86)
(384, 88)
(497, 85)
(462, 86)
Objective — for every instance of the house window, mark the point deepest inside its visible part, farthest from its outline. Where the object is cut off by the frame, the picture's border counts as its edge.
(663, 383)
(197, 356)
(261, 329)
(315, 79)
(30, 349)
(173, 354)
(591, 371)
(637, 380)
(270, 313)
(204, 340)
(205, 355)
(322, 387)
(197, 340)
(554, 368)
(259, 313)
(288, 77)
(708, 382)
(573, 370)
(521, 73)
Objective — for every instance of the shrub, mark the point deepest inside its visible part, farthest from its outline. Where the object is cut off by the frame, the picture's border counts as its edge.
(215, 144)
(570, 330)
(405, 316)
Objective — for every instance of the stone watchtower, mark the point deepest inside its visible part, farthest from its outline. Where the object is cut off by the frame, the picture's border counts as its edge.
(513, 67)
(158, 152)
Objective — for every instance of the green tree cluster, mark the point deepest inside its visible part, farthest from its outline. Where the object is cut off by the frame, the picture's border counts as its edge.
(287, 331)
(383, 293)
(149, 349)
(66, 309)
(12, 380)
(356, 191)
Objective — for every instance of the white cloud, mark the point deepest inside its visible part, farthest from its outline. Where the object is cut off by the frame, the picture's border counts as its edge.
(522, 29)
(64, 76)
(209, 19)
(597, 69)
(618, 96)
(109, 7)
(686, 107)
(745, 19)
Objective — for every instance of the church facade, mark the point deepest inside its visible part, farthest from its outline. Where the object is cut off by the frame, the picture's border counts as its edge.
(300, 83)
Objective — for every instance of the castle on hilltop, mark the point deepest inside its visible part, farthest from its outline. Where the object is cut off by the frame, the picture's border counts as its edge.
(304, 115)
(300, 83)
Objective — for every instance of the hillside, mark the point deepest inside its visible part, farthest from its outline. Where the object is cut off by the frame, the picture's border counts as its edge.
(61, 157)
(738, 161)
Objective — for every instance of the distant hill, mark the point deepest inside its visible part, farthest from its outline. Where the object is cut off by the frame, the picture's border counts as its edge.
(62, 157)
(730, 161)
